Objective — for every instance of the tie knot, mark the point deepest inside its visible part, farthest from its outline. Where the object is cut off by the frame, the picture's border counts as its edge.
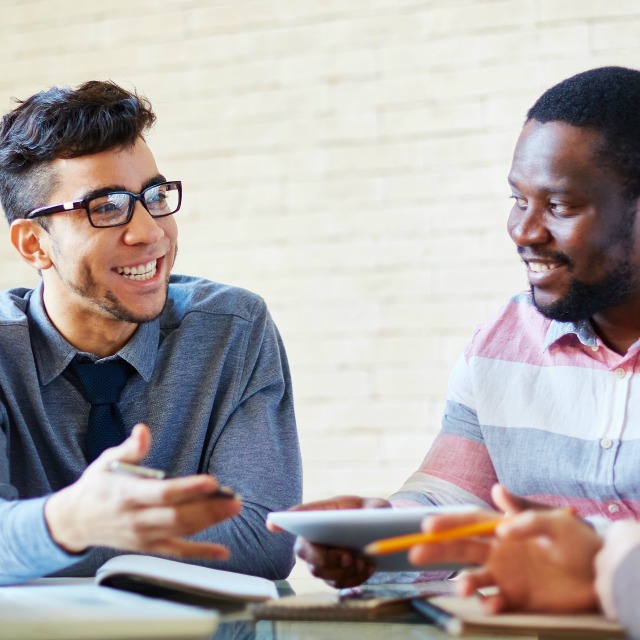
(101, 382)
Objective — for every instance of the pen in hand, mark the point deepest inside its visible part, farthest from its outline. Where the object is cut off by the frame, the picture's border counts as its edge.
(125, 468)
(403, 543)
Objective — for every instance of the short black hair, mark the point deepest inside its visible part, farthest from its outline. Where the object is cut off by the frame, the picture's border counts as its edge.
(606, 100)
(63, 123)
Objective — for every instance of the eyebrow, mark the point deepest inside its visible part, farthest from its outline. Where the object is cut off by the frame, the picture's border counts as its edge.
(111, 188)
(553, 190)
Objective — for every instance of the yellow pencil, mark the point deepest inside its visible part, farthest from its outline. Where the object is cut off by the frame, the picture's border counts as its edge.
(402, 543)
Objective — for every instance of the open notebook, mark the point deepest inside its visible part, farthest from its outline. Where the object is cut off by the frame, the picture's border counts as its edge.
(116, 604)
(182, 582)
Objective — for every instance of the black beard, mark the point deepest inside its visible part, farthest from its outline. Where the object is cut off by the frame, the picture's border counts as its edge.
(583, 300)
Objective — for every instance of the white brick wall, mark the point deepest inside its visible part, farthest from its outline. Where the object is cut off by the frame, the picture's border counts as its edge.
(346, 159)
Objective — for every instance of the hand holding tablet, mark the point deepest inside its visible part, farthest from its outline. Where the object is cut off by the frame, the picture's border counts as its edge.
(356, 528)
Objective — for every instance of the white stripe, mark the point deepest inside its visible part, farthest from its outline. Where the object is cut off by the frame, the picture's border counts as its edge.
(571, 401)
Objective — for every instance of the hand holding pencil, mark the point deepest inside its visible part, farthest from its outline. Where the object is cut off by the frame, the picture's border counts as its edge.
(539, 558)
(462, 532)
(403, 543)
(457, 538)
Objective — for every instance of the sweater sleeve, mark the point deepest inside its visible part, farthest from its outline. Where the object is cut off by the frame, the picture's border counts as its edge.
(27, 550)
(257, 453)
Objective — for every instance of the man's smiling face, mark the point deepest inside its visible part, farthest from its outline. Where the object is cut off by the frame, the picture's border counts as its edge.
(574, 229)
(119, 273)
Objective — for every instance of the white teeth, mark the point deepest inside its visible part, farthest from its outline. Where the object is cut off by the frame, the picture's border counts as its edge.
(139, 272)
(539, 267)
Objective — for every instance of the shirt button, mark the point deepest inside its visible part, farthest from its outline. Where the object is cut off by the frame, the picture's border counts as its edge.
(613, 508)
(605, 443)
(620, 372)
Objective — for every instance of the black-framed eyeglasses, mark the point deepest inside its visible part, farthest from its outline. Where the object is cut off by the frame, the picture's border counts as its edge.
(115, 208)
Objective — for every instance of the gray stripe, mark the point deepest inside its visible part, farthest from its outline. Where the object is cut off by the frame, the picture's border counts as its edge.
(428, 490)
(461, 421)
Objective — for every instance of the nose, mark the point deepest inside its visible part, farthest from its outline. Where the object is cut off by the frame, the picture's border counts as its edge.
(142, 228)
(527, 226)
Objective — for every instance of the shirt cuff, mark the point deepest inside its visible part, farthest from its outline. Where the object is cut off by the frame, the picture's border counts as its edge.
(27, 549)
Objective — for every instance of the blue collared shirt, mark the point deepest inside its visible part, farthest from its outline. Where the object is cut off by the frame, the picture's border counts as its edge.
(211, 380)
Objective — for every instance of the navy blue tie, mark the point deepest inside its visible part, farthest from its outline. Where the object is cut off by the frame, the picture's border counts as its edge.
(101, 384)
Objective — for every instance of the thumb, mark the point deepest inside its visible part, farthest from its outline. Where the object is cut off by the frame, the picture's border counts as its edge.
(132, 450)
(511, 504)
(506, 501)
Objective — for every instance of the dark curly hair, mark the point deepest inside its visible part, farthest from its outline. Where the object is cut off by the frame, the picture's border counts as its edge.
(607, 100)
(63, 123)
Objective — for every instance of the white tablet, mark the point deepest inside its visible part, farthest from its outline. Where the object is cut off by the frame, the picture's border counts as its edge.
(355, 528)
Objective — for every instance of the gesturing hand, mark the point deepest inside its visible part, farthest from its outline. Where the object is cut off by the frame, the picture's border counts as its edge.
(137, 514)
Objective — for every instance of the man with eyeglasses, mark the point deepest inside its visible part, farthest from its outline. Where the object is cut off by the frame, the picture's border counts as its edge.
(111, 360)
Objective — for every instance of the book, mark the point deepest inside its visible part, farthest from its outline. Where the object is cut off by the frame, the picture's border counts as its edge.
(132, 596)
(368, 602)
(77, 609)
(460, 616)
(186, 583)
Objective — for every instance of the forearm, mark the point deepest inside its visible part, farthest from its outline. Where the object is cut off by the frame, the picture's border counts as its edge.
(27, 550)
(424, 490)
(263, 466)
(457, 468)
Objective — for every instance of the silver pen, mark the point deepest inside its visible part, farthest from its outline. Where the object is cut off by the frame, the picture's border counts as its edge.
(124, 468)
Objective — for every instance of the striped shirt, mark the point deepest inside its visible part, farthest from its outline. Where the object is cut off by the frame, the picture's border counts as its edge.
(546, 409)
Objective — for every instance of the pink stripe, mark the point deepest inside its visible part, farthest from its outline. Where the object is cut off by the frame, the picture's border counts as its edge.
(518, 334)
(462, 462)
(588, 507)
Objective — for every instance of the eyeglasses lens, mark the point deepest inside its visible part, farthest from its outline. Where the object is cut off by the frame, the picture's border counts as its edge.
(115, 208)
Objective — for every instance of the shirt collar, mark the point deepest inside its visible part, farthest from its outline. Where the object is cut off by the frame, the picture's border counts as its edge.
(53, 353)
(581, 329)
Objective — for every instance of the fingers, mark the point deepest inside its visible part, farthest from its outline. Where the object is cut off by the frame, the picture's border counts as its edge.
(132, 450)
(181, 520)
(175, 490)
(160, 529)
(469, 551)
(495, 603)
(510, 503)
(339, 567)
(552, 523)
(470, 581)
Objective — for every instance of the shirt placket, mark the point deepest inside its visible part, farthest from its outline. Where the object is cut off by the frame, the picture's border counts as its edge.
(619, 382)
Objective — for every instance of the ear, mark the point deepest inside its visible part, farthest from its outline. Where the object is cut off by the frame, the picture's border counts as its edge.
(32, 242)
